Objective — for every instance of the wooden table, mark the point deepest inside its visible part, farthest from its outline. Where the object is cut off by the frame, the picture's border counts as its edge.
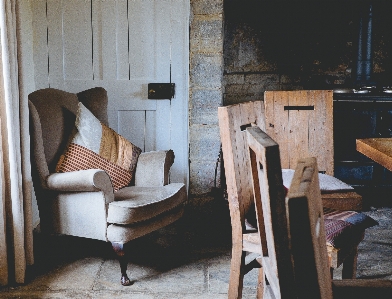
(377, 149)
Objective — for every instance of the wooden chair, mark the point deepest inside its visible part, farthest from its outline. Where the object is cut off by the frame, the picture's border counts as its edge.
(301, 122)
(233, 121)
(295, 259)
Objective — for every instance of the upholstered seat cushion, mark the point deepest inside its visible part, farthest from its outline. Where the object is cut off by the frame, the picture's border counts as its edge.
(135, 204)
(327, 183)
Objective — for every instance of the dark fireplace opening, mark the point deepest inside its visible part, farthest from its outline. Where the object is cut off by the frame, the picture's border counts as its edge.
(345, 46)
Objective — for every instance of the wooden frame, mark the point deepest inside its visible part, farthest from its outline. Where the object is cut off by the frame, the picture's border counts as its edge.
(309, 255)
(233, 121)
(295, 259)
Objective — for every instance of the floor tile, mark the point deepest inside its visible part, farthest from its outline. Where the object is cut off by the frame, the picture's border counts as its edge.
(77, 275)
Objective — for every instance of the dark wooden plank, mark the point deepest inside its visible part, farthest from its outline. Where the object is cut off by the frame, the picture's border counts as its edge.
(307, 233)
(377, 149)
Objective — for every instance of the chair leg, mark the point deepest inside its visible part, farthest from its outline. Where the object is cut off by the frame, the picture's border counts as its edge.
(260, 284)
(349, 270)
(236, 272)
(119, 250)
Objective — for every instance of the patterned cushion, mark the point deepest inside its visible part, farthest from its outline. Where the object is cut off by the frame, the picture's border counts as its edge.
(105, 143)
(338, 232)
(80, 158)
(345, 227)
(359, 220)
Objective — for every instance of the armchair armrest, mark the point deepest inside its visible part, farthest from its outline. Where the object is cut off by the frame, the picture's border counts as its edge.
(152, 169)
(89, 180)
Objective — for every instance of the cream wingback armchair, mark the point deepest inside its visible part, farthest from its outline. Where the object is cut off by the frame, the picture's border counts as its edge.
(84, 203)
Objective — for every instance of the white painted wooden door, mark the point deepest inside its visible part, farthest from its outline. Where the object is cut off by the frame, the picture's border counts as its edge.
(121, 45)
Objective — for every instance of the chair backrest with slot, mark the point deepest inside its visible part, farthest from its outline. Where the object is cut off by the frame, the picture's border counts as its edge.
(301, 122)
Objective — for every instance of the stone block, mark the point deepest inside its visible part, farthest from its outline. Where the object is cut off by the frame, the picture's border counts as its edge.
(233, 79)
(207, 7)
(261, 79)
(204, 142)
(203, 108)
(285, 79)
(244, 88)
(206, 35)
(231, 99)
(206, 70)
(202, 176)
(198, 202)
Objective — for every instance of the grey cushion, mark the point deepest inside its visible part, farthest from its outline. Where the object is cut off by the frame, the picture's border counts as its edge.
(135, 204)
(126, 233)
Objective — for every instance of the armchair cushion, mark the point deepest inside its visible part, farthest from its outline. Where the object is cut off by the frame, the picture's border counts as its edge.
(135, 204)
(80, 158)
(96, 146)
(104, 141)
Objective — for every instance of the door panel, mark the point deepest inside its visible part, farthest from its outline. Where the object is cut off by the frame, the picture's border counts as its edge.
(76, 39)
(138, 126)
(133, 128)
(40, 45)
(121, 45)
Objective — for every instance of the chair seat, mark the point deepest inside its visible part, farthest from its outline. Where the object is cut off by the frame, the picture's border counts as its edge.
(335, 193)
(327, 183)
(135, 204)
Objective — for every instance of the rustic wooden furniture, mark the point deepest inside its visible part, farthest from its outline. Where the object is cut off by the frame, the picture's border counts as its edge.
(377, 149)
(233, 121)
(306, 244)
(295, 259)
(301, 122)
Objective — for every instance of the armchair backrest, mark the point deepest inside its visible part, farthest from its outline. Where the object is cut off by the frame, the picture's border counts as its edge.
(52, 120)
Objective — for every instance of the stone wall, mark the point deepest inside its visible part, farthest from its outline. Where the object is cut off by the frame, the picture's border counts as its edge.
(206, 94)
(241, 48)
(284, 45)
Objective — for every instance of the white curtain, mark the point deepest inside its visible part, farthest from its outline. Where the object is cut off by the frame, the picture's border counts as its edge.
(16, 250)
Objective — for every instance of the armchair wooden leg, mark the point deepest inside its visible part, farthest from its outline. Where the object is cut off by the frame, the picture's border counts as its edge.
(119, 250)
(349, 270)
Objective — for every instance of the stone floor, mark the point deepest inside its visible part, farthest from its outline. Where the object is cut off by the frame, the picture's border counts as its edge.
(189, 259)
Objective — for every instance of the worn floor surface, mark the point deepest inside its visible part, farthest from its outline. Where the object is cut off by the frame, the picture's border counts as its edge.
(190, 259)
